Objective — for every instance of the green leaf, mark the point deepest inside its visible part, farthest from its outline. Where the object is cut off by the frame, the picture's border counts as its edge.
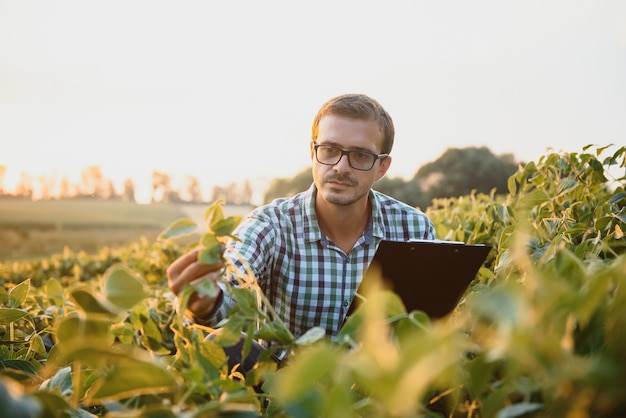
(519, 409)
(133, 378)
(246, 300)
(19, 293)
(616, 198)
(209, 240)
(22, 365)
(151, 330)
(312, 366)
(211, 356)
(566, 185)
(54, 404)
(312, 335)
(207, 287)
(125, 333)
(230, 334)
(225, 227)
(275, 331)
(178, 228)
(88, 302)
(210, 249)
(4, 296)
(74, 331)
(534, 198)
(512, 185)
(568, 265)
(55, 291)
(351, 327)
(480, 372)
(8, 315)
(61, 381)
(530, 167)
(37, 345)
(214, 212)
(598, 168)
(499, 304)
(123, 288)
(210, 255)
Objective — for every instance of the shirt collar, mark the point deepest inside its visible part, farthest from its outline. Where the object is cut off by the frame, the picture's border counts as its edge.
(312, 231)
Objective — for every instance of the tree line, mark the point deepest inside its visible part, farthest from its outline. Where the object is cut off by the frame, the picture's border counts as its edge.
(94, 184)
(457, 172)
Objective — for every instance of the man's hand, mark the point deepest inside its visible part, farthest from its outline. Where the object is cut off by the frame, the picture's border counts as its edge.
(187, 270)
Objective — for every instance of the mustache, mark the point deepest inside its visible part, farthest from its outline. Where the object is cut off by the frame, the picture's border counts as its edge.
(339, 178)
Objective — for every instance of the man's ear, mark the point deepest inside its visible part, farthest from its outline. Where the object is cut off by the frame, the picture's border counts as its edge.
(384, 166)
(312, 148)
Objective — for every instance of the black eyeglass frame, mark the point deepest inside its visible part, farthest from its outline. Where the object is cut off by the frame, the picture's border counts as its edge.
(347, 153)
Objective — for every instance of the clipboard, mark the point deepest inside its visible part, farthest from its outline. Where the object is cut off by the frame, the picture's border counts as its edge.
(428, 275)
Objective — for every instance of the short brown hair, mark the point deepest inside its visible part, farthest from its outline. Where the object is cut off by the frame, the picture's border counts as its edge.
(357, 106)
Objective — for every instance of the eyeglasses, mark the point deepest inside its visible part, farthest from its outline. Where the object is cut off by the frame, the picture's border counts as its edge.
(359, 160)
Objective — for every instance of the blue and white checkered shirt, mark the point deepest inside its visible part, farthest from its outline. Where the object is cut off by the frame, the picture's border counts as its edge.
(309, 280)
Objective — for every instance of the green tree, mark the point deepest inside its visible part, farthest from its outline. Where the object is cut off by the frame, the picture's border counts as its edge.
(459, 171)
(283, 187)
(408, 192)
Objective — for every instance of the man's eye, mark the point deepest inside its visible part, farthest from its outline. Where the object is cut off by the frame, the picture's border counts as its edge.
(362, 156)
(329, 150)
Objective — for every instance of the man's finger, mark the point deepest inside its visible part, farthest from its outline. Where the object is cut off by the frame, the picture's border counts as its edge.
(186, 269)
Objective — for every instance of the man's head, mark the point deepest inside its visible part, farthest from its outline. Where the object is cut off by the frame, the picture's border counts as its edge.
(351, 138)
(358, 106)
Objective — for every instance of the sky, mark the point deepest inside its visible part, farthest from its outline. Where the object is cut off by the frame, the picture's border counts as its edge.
(226, 90)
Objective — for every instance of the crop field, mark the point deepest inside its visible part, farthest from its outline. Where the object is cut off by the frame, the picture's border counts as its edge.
(33, 229)
(539, 333)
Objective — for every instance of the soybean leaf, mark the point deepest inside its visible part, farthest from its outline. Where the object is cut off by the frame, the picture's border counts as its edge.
(8, 315)
(312, 335)
(207, 287)
(132, 377)
(215, 212)
(179, 228)
(88, 302)
(519, 409)
(275, 331)
(225, 227)
(76, 331)
(19, 293)
(123, 288)
(55, 292)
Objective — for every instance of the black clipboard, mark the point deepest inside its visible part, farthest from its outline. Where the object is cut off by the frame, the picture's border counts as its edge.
(429, 275)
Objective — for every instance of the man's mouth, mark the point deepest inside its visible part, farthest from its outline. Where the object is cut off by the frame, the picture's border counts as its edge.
(340, 182)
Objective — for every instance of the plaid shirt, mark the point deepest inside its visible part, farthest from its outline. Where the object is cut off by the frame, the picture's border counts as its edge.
(308, 280)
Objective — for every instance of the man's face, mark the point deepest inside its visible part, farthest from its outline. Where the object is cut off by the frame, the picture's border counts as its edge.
(340, 184)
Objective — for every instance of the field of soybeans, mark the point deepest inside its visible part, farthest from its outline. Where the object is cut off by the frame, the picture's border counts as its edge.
(539, 332)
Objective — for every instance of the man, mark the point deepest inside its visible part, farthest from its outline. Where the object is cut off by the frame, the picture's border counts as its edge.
(309, 252)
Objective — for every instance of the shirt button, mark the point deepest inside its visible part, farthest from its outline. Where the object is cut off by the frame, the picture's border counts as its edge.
(346, 303)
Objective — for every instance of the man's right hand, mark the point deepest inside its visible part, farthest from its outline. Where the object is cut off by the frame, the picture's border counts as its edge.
(187, 270)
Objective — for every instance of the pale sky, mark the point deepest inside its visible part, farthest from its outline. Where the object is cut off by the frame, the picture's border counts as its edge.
(227, 90)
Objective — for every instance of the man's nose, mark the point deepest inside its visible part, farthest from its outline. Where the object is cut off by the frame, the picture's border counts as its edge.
(343, 164)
